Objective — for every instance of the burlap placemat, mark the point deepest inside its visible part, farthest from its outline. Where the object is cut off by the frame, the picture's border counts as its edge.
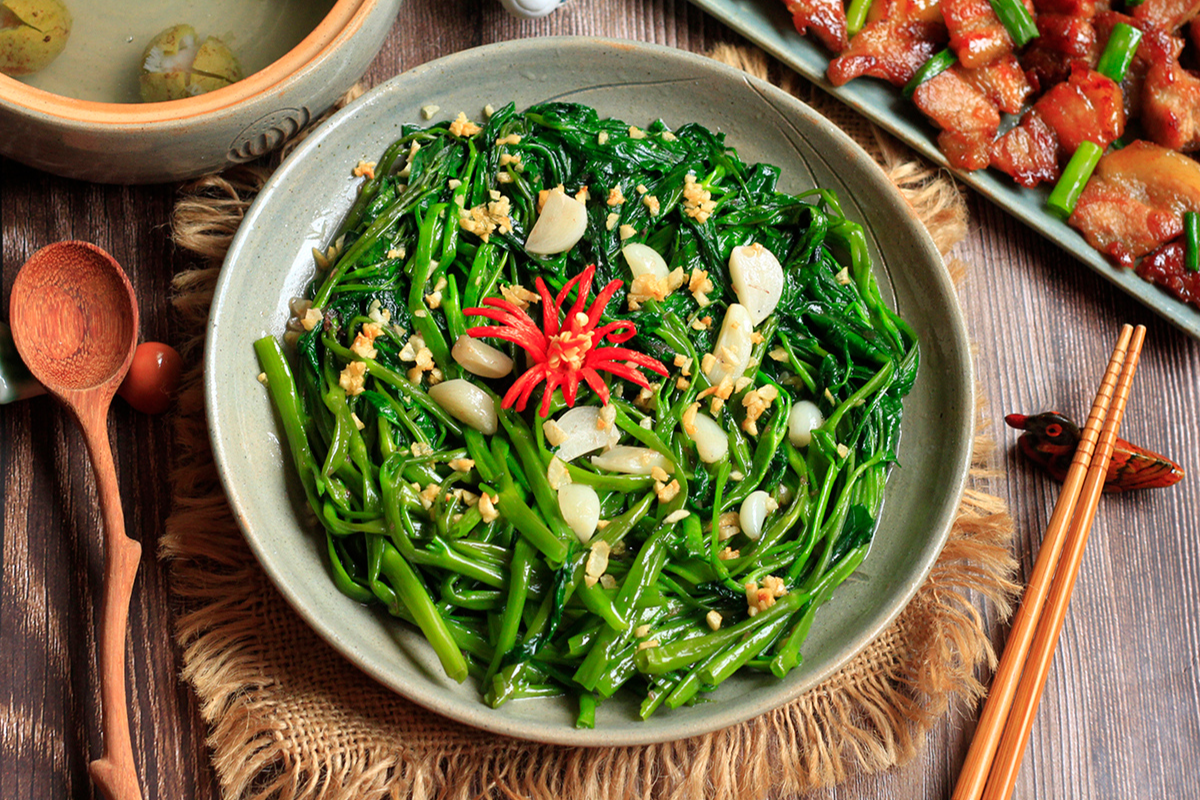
(291, 719)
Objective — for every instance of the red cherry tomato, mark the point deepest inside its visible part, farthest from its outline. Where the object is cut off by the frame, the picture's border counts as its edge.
(153, 378)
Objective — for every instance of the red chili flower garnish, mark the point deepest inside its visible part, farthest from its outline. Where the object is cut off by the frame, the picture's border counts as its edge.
(566, 349)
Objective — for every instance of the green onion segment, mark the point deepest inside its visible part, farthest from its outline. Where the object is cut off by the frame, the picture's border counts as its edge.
(936, 65)
(1191, 240)
(856, 16)
(1066, 192)
(1015, 18)
(1119, 52)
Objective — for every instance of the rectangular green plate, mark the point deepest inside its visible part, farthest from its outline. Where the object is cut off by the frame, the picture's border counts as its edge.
(768, 24)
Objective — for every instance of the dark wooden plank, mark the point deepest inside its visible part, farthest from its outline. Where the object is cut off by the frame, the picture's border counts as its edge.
(51, 556)
(1118, 718)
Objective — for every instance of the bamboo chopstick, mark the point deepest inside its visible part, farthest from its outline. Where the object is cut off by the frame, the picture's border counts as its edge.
(982, 752)
(1037, 667)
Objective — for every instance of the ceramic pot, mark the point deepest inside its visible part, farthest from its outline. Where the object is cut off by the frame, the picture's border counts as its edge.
(157, 142)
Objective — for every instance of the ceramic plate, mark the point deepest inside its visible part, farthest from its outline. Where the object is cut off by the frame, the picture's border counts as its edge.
(767, 23)
(270, 261)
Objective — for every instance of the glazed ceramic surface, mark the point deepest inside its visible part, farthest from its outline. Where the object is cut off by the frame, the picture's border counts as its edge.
(768, 23)
(103, 57)
(156, 142)
(270, 261)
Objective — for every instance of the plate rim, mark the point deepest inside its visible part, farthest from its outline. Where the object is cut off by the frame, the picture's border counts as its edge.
(430, 695)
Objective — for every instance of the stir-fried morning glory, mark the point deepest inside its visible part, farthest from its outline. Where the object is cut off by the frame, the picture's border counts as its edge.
(593, 406)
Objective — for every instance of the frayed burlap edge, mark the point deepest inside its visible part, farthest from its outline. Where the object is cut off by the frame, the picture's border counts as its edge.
(291, 720)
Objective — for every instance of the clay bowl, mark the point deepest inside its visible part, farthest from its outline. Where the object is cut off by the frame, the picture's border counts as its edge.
(45, 123)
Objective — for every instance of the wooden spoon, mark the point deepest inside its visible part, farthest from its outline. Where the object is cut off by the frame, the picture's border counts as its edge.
(74, 320)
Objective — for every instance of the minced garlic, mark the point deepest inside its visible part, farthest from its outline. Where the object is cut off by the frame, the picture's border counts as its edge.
(487, 507)
(597, 561)
(756, 402)
(463, 126)
(700, 285)
(646, 286)
(311, 319)
(486, 218)
(729, 525)
(697, 201)
(519, 296)
(667, 492)
(354, 378)
(760, 598)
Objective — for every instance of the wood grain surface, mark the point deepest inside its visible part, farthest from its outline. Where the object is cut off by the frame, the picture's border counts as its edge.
(1121, 714)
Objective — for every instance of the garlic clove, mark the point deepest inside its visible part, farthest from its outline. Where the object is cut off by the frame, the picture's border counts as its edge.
(711, 442)
(580, 507)
(480, 358)
(757, 278)
(753, 514)
(467, 403)
(631, 460)
(734, 346)
(585, 430)
(645, 260)
(561, 224)
(803, 419)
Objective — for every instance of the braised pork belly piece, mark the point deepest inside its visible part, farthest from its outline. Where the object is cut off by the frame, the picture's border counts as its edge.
(966, 105)
(1004, 83)
(1087, 106)
(968, 119)
(1063, 39)
(1083, 9)
(825, 18)
(1136, 199)
(1170, 94)
(899, 37)
(1165, 15)
(977, 36)
(1165, 267)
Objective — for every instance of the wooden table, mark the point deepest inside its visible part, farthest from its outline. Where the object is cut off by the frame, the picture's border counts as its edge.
(1121, 713)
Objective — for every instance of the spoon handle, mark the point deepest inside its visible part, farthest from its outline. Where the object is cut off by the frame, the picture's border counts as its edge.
(114, 772)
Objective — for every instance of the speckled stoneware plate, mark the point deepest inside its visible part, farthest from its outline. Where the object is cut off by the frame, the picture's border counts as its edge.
(768, 24)
(270, 261)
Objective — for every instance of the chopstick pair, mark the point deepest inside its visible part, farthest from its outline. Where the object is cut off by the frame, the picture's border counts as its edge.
(994, 758)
